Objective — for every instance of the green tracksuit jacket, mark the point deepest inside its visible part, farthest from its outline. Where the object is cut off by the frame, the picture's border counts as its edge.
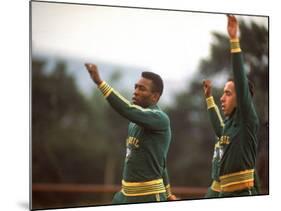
(235, 152)
(147, 143)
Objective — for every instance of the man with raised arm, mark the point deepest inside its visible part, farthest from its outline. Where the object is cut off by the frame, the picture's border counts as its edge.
(234, 160)
(145, 177)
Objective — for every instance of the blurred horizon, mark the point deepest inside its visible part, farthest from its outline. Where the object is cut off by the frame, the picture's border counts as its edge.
(129, 75)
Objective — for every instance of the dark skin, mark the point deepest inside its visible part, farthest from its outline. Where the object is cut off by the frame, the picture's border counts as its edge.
(207, 86)
(143, 95)
(94, 73)
(228, 98)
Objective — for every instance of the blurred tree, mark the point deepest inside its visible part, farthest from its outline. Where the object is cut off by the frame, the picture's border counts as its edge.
(74, 139)
(63, 149)
(113, 129)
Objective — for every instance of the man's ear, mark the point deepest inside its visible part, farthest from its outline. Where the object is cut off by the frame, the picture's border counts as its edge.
(156, 96)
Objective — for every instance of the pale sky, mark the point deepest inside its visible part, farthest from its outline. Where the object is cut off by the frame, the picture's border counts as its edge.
(170, 43)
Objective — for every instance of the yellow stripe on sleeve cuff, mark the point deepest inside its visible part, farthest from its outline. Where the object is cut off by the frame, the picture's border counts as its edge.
(235, 46)
(105, 89)
(210, 102)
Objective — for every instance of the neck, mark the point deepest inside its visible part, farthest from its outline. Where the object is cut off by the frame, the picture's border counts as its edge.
(231, 114)
(151, 105)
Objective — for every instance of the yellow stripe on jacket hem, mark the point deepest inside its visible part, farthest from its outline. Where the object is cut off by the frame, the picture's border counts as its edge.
(234, 182)
(231, 175)
(143, 188)
(216, 186)
(237, 181)
(239, 186)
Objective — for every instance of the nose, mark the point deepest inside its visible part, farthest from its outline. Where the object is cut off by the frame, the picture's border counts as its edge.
(136, 92)
(222, 98)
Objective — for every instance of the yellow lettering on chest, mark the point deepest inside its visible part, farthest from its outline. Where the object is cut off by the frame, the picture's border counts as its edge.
(133, 141)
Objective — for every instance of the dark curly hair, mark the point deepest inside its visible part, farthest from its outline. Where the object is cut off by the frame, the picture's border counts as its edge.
(156, 81)
(250, 85)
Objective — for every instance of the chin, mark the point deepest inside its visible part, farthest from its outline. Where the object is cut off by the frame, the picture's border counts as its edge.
(226, 114)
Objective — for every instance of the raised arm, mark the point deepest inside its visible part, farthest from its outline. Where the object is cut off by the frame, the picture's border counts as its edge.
(213, 111)
(244, 99)
(145, 117)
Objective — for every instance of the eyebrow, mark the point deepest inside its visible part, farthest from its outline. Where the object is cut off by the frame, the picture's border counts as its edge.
(227, 91)
(139, 85)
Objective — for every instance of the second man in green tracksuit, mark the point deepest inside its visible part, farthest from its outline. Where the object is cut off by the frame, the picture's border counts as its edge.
(234, 160)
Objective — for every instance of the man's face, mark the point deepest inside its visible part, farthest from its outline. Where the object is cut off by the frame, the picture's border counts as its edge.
(228, 99)
(143, 94)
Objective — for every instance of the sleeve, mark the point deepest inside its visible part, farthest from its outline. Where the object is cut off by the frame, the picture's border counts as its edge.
(166, 181)
(244, 99)
(214, 116)
(149, 118)
(257, 182)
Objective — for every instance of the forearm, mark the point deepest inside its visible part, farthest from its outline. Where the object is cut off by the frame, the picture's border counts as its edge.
(240, 77)
(239, 73)
(214, 116)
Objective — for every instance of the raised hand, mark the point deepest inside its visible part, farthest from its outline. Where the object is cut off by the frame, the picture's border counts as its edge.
(207, 86)
(232, 26)
(94, 73)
